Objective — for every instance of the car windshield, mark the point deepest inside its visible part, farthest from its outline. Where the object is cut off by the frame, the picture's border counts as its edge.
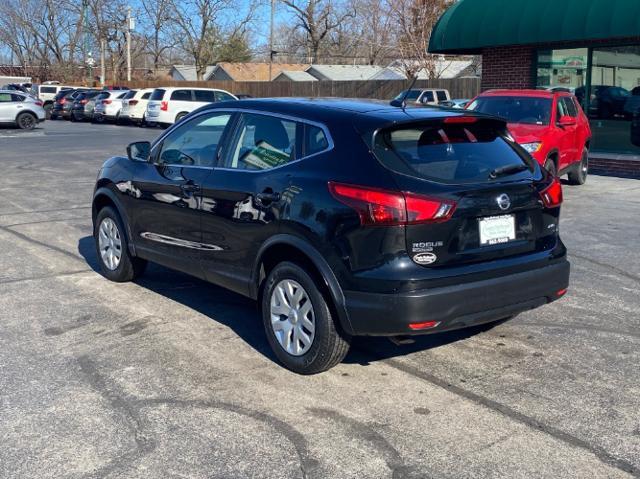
(515, 109)
(455, 153)
(413, 95)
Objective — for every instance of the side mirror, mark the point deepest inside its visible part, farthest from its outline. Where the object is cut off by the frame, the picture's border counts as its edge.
(567, 121)
(139, 151)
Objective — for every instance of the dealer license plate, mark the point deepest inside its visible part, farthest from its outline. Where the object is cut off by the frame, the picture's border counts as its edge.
(497, 230)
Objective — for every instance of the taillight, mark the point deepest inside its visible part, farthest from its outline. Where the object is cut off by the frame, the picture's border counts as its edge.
(84, 101)
(39, 103)
(164, 105)
(552, 195)
(392, 208)
(425, 325)
(133, 102)
(106, 102)
(62, 101)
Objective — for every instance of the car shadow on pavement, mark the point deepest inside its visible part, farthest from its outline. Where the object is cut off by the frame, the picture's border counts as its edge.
(241, 315)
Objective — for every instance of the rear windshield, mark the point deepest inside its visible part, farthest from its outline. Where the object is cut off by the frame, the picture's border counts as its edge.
(455, 153)
(158, 94)
(515, 109)
(412, 96)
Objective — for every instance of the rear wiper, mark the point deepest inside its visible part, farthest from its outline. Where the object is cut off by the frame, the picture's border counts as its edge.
(508, 170)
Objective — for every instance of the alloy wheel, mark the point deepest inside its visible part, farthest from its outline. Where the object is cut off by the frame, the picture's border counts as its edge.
(110, 244)
(292, 317)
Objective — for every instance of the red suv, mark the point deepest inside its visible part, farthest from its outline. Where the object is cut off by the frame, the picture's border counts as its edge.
(551, 126)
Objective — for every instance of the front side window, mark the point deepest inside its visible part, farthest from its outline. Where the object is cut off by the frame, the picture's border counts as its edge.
(262, 142)
(206, 96)
(223, 96)
(428, 97)
(195, 142)
(569, 106)
(411, 96)
(515, 109)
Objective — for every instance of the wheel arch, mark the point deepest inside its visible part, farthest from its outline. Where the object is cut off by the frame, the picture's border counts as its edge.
(285, 247)
(103, 197)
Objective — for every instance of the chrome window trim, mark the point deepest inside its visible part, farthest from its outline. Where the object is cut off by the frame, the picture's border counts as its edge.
(322, 126)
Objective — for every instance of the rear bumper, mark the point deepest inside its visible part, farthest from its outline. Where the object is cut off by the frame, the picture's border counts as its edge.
(457, 306)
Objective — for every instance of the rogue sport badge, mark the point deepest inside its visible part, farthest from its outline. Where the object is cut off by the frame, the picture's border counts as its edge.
(504, 202)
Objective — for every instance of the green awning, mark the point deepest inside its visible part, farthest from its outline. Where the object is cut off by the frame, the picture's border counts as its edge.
(471, 25)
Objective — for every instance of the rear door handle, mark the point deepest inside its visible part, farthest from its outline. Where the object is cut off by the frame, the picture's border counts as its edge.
(266, 198)
(190, 187)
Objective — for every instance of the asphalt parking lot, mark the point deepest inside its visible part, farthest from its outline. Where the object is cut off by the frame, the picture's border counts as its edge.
(171, 377)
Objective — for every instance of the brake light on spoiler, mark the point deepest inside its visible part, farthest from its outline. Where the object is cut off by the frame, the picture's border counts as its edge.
(392, 208)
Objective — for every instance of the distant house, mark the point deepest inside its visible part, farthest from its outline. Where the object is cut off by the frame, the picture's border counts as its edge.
(445, 68)
(252, 71)
(294, 76)
(188, 72)
(344, 72)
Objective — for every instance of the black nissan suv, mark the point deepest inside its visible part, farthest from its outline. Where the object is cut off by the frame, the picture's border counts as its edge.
(341, 217)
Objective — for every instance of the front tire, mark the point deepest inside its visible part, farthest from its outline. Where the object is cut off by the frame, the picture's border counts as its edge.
(116, 262)
(579, 175)
(298, 322)
(26, 121)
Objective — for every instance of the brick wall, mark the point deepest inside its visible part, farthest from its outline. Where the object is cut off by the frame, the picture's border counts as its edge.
(508, 67)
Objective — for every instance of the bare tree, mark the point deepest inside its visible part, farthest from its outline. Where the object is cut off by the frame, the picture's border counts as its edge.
(158, 21)
(203, 25)
(317, 19)
(414, 20)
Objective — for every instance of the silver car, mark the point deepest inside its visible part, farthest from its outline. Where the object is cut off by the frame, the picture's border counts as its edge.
(20, 109)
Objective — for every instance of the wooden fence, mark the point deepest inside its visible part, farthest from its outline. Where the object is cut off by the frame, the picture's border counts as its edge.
(380, 89)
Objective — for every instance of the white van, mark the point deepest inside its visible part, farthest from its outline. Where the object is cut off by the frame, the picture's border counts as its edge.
(47, 94)
(168, 105)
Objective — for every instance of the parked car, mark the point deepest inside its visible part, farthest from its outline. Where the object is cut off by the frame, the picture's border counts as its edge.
(124, 101)
(341, 217)
(83, 104)
(551, 126)
(456, 103)
(63, 103)
(606, 102)
(108, 108)
(425, 96)
(47, 93)
(632, 104)
(169, 105)
(20, 109)
(635, 129)
(135, 108)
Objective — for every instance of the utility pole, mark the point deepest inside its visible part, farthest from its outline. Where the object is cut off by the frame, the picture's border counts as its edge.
(103, 73)
(129, 28)
(271, 52)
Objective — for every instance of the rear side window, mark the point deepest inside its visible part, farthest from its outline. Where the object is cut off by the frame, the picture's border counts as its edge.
(204, 95)
(158, 94)
(442, 95)
(315, 140)
(569, 106)
(223, 96)
(428, 96)
(129, 94)
(181, 95)
(455, 153)
(262, 142)
(16, 98)
(48, 89)
(145, 96)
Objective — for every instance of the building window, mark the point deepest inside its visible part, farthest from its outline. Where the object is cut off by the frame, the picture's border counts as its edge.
(562, 69)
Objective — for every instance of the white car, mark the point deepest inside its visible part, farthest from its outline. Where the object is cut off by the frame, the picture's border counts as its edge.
(168, 105)
(134, 109)
(20, 109)
(109, 107)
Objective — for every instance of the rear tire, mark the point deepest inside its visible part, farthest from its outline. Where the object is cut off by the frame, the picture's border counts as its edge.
(112, 248)
(26, 121)
(180, 116)
(550, 166)
(304, 337)
(579, 175)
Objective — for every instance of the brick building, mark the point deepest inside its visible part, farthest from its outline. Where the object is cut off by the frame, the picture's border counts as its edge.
(589, 47)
